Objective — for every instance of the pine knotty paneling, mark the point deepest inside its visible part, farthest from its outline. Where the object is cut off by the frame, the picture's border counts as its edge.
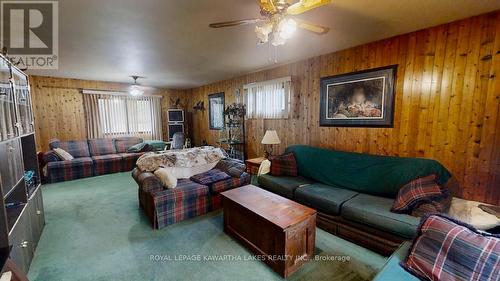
(58, 107)
(446, 106)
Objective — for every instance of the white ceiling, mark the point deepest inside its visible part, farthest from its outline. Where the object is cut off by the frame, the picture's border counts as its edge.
(170, 43)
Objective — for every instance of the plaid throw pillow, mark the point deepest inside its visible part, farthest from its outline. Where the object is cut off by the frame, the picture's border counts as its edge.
(283, 165)
(424, 189)
(210, 177)
(446, 249)
(435, 206)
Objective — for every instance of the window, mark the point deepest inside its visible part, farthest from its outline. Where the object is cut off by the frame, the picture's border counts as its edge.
(269, 99)
(125, 116)
(115, 114)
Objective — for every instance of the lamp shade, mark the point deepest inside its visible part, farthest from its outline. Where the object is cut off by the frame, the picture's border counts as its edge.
(270, 137)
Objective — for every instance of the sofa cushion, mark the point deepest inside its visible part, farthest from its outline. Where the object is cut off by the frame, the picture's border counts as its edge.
(140, 147)
(364, 173)
(392, 271)
(106, 164)
(284, 186)
(102, 147)
(184, 191)
(82, 161)
(324, 198)
(376, 212)
(283, 165)
(124, 143)
(77, 149)
(69, 170)
(230, 183)
(446, 249)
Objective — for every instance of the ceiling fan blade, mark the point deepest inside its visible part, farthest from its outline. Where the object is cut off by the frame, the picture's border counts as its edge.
(305, 5)
(267, 6)
(312, 27)
(234, 23)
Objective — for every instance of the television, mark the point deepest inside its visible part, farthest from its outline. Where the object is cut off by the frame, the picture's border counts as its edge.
(175, 115)
(174, 128)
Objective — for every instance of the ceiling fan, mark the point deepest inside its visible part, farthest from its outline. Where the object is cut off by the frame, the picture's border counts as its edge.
(137, 89)
(276, 22)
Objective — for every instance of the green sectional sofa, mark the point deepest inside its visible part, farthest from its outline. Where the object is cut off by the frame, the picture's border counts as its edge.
(353, 193)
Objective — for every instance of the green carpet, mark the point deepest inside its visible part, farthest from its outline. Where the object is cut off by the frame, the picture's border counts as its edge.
(96, 231)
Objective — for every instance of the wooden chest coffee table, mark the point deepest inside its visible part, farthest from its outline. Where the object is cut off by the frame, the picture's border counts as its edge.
(279, 231)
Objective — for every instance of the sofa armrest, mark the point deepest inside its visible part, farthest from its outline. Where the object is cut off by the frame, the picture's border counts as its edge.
(49, 156)
(392, 270)
(147, 181)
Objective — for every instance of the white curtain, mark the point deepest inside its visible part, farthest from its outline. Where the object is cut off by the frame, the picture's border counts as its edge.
(113, 115)
(268, 99)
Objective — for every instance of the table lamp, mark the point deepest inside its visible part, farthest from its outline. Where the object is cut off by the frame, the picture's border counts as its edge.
(270, 138)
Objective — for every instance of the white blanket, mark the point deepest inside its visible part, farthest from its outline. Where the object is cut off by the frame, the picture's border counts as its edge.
(195, 159)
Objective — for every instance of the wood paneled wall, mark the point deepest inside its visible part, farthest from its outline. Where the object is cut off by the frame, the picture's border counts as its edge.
(58, 106)
(447, 102)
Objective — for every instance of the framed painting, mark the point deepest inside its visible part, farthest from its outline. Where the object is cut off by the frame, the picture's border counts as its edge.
(358, 99)
(216, 106)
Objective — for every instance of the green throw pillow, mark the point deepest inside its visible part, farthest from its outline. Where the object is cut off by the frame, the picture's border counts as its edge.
(157, 145)
(140, 147)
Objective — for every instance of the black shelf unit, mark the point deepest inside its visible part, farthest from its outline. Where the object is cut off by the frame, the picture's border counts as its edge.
(21, 210)
(233, 138)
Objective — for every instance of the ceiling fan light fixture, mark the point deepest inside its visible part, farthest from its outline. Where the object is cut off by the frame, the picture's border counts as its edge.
(277, 39)
(263, 32)
(135, 91)
(287, 28)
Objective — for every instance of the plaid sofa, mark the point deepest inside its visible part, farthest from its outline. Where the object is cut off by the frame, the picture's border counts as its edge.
(187, 200)
(92, 158)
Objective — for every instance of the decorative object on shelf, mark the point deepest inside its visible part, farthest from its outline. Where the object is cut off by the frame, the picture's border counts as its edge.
(216, 111)
(359, 99)
(270, 138)
(199, 106)
(232, 137)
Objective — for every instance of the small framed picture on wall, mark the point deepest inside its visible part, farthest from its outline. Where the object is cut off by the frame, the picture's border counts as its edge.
(359, 99)
(216, 107)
